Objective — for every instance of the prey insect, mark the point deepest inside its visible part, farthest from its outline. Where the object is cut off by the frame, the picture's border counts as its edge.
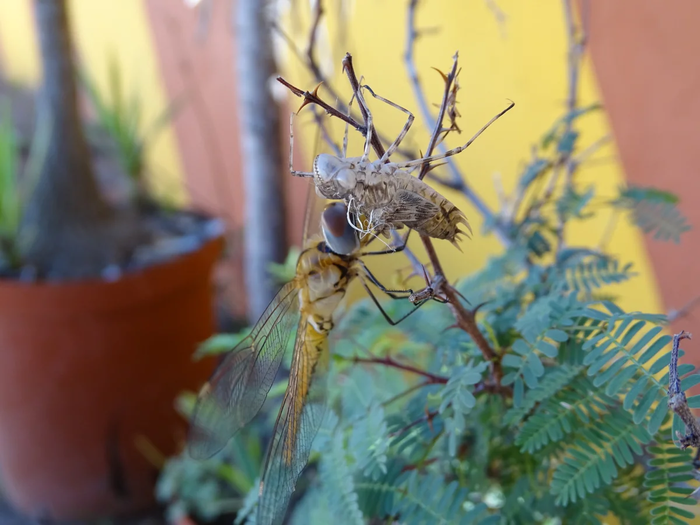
(386, 192)
(239, 386)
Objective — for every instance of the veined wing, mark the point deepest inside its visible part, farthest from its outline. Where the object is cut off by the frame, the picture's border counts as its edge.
(238, 388)
(298, 422)
(409, 207)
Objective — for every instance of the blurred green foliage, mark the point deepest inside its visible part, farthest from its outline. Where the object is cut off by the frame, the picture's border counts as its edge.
(10, 203)
(121, 117)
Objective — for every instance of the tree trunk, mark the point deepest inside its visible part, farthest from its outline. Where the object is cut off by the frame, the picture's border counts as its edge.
(265, 233)
(69, 230)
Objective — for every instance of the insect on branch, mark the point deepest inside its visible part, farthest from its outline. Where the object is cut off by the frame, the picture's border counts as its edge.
(465, 319)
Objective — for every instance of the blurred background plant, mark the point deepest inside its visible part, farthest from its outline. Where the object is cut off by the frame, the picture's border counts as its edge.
(121, 117)
(10, 204)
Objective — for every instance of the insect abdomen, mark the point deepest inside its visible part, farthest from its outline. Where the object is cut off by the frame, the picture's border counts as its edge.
(445, 218)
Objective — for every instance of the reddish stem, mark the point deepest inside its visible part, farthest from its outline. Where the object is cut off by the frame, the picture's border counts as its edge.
(388, 361)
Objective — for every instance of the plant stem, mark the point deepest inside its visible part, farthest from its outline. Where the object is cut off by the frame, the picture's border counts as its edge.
(265, 233)
(390, 362)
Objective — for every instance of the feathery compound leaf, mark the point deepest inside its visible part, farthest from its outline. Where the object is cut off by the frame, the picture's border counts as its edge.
(524, 367)
(427, 500)
(666, 482)
(553, 381)
(369, 442)
(337, 483)
(590, 461)
(562, 414)
(457, 391)
(614, 358)
(596, 272)
(654, 211)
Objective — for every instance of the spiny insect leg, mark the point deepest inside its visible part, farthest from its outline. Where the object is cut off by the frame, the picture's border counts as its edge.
(368, 136)
(394, 294)
(291, 151)
(454, 151)
(347, 128)
(376, 302)
(390, 151)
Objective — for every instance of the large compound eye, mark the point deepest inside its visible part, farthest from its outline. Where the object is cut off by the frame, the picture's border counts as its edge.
(326, 166)
(340, 237)
(346, 177)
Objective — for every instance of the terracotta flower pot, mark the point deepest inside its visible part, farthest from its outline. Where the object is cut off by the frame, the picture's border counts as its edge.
(88, 369)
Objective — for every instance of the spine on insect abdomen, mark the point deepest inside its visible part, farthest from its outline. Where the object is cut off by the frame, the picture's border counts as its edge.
(417, 205)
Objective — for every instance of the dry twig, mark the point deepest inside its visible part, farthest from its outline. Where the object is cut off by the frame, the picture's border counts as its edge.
(457, 180)
(677, 401)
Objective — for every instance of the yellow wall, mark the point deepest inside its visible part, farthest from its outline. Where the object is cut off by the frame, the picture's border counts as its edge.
(523, 60)
(18, 47)
(102, 31)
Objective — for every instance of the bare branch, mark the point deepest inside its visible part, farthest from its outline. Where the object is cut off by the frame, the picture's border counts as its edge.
(577, 44)
(391, 362)
(677, 401)
(313, 98)
(355, 84)
(308, 58)
(457, 181)
(675, 315)
(498, 14)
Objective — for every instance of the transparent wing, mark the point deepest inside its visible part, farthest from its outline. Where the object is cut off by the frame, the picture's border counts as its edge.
(298, 422)
(312, 218)
(238, 388)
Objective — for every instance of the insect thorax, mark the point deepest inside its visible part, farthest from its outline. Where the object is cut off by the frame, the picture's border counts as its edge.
(322, 277)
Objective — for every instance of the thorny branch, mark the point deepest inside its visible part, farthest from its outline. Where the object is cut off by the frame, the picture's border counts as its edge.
(311, 97)
(577, 45)
(355, 84)
(680, 313)
(431, 379)
(677, 401)
(465, 319)
(457, 180)
(309, 59)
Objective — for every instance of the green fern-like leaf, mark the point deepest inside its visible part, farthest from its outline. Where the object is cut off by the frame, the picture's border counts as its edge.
(670, 470)
(596, 272)
(369, 442)
(554, 380)
(617, 363)
(591, 460)
(540, 326)
(337, 483)
(429, 500)
(561, 414)
(654, 211)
